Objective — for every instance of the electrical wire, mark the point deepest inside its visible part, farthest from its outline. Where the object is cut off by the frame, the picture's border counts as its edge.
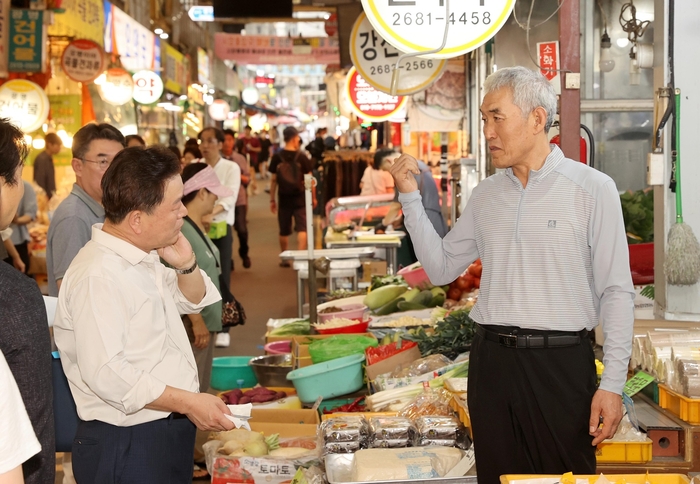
(527, 29)
(633, 27)
(604, 15)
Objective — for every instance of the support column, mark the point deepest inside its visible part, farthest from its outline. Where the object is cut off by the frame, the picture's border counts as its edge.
(570, 57)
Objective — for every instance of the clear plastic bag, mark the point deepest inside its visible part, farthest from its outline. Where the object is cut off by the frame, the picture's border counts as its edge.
(421, 366)
(431, 402)
(339, 346)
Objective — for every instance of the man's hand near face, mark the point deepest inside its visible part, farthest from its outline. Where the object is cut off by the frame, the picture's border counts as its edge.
(403, 169)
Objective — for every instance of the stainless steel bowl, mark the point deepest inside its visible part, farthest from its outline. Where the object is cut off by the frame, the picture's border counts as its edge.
(272, 370)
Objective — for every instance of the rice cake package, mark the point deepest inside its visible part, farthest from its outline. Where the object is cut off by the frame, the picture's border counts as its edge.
(404, 464)
(437, 428)
(391, 428)
(345, 429)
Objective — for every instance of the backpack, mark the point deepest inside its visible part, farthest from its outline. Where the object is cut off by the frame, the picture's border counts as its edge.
(290, 178)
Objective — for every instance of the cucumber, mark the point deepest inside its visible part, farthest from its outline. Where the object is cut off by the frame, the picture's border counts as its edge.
(438, 300)
(383, 295)
(410, 306)
(438, 290)
(411, 294)
(388, 308)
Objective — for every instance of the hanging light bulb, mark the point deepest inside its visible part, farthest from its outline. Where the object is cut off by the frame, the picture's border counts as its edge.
(606, 62)
(635, 71)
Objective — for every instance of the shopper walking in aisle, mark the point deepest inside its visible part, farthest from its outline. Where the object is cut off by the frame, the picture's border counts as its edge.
(44, 171)
(223, 217)
(551, 238)
(135, 140)
(25, 346)
(264, 156)
(229, 142)
(317, 146)
(26, 213)
(252, 150)
(288, 168)
(241, 221)
(123, 347)
(94, 148)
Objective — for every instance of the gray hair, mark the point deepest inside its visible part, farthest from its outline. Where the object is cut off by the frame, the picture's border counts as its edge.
(530, 89)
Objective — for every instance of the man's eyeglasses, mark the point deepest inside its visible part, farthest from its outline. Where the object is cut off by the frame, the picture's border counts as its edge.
(102, 164)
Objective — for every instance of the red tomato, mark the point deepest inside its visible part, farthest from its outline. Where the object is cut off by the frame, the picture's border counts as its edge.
(454, 293)
(465, 282)
(477, 283)
(475, 270)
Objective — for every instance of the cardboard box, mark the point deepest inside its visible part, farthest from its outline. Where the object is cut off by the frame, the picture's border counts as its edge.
(388, 365)
(300, 347)
(373, 268)
(286, 422)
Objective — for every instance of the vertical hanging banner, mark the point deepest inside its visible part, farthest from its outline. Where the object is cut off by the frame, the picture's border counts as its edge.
(4, 36)
(175, 70)
(419, 25)
(27, 41)
(82, 19)
(137, 47)
(548, 55)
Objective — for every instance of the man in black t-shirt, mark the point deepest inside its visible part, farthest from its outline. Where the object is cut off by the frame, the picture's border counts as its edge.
(288, 168)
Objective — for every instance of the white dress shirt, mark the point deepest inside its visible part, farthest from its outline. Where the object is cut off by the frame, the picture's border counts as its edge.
(18, 443)
(119, 332)
(229, 174)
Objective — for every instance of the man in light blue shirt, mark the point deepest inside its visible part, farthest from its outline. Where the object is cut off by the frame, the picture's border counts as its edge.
(551, 238)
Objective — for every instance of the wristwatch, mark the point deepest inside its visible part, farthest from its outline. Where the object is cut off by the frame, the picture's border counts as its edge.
(189, 270)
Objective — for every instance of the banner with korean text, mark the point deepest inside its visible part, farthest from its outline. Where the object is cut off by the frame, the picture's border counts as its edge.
(262, 49)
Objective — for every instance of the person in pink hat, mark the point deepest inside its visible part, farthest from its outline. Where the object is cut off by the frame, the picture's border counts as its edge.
(201, 190)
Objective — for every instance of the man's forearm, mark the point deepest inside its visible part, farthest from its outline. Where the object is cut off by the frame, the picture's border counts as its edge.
(172, 400)
(192, 286)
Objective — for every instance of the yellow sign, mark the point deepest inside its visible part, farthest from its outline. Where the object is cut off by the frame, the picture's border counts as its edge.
(175, 70)
(84, 19)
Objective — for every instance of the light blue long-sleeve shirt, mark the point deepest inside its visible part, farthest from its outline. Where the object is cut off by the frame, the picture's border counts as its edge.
(554, 254)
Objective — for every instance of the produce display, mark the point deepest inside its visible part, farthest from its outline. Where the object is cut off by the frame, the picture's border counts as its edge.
(466, 283)
(339, 346)
(255, 395)
(355, 406)
(302, 327)
(241, 442)
(386, 350)
(638, 214)
(450, 337)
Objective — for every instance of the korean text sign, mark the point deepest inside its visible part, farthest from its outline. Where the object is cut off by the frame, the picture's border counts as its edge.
(27, 41)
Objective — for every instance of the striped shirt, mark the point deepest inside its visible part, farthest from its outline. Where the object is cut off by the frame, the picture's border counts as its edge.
(554, 254)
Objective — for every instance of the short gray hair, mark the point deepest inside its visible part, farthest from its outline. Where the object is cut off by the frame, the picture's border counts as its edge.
(530, 89)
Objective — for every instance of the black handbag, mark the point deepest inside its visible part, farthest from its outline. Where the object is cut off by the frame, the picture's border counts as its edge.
(233, 313)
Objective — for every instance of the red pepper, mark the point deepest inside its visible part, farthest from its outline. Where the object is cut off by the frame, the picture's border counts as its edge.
(375, 355)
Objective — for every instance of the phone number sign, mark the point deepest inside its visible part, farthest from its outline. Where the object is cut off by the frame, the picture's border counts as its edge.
(419, 25)
(375, 60)
(368, 103)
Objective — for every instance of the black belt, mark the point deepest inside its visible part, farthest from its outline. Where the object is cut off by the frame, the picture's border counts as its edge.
(538, 340)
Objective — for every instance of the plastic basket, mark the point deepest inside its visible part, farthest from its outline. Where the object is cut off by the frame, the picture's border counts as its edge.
(642, 263)
(687, 409)
(624, 452)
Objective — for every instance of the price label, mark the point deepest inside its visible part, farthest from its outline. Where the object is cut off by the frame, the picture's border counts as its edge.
(419, 25)
(375, 60)
(637, 383)
(369, 103)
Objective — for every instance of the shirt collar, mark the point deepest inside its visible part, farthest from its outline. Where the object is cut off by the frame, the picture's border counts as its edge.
(555, 157)
(121, 247)
(94, 207)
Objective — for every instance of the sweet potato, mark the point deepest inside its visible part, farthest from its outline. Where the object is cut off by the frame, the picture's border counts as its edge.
(244, 399)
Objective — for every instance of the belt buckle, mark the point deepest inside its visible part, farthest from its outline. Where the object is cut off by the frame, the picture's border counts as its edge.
(508, 340)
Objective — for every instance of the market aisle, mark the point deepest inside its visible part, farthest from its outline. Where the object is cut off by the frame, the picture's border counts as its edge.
(265, 290)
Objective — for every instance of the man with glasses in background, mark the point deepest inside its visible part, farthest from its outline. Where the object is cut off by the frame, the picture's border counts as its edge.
(94, 148)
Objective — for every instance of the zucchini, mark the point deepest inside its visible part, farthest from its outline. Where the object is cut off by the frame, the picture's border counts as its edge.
(410, 306)
(383, 295)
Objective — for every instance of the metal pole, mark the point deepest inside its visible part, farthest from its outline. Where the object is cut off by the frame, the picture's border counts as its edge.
(570, 105)
(313, 291)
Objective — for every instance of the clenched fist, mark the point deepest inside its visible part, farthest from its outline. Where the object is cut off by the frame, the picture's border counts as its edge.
(403, 169)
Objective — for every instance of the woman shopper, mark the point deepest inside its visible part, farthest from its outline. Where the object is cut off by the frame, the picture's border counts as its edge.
(25, 345)
(201, 190)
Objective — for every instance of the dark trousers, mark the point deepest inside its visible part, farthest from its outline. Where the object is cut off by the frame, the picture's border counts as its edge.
(241, 226)
(225, 246)
(23, 251)
(155, 452)
(530, 408)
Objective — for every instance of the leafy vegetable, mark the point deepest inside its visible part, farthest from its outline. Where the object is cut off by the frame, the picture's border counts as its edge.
(380, 281)
(302, 327)
(451, 336)
(648, 292)
(638, 214)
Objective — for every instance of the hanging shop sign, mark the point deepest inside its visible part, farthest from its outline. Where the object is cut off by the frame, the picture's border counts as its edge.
(368, 103)
(24, 103)
(27, 41)
(118, 87)
(82, 19)
(331, 25)
(203, 69)
(83, 60)
(148, 87)
(219, 109)
(261, 49)
(419, 25)
(548, 54)
(175, 70)
(375, 60)
(4, 36)
(137, 47)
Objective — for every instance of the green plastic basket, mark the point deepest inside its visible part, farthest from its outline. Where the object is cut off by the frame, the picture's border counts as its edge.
(227, 370)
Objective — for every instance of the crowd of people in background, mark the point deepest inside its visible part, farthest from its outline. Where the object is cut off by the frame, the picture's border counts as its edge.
(129, 199)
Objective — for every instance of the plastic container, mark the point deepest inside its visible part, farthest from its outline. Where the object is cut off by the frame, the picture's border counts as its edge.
(278, 347)
(687, 409)
(415, 277)
(272, 370)
(329, 379)
(349, 311)
(624, 452)
(226, 371)
(355, 328)
(642, 263)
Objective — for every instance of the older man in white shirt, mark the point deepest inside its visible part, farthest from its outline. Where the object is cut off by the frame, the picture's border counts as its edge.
(123, 346)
